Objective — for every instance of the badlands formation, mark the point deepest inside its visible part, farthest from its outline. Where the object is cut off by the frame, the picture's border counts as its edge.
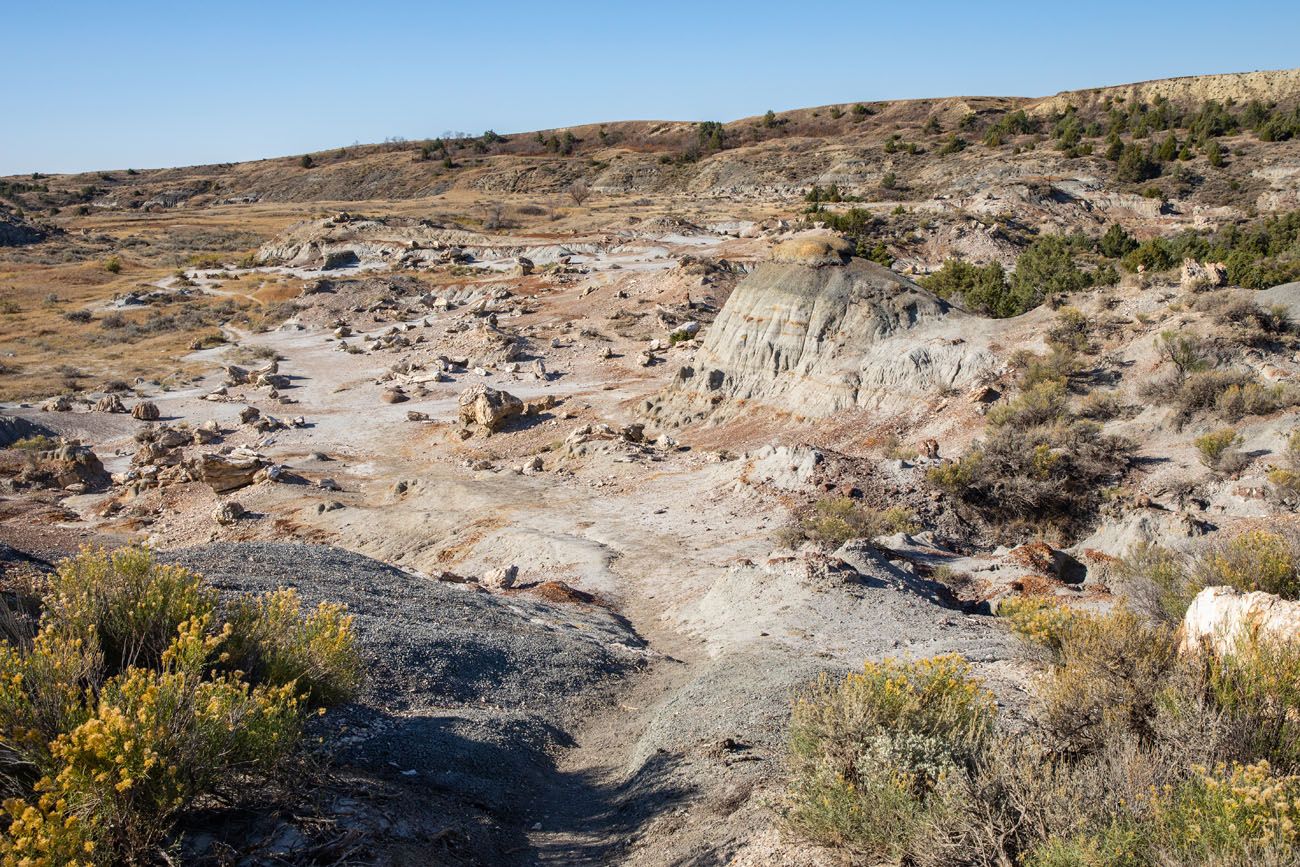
(557, 415)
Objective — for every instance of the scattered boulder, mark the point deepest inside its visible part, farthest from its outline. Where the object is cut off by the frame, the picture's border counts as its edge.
(236, 375)
(393, 395)
(501, 579)
(62, 403)
(249, 414)
(1219, 616)
(207, 433)
(228, 513)
(110, 403)
(229, 472)
(1196, 276)
(414, 415)
(488, 407)
(146, 410)
(71, 465)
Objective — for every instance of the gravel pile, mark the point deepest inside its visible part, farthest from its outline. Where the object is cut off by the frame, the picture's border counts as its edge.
(467, 692)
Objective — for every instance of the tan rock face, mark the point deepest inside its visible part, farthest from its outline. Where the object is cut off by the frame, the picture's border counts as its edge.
(488, 407)
(145, 411)
(1219, 616)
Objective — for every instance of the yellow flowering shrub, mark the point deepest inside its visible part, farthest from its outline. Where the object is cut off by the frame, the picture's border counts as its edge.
(1039, 621)
(1256, 689)
(1255, 560)
(43, 693)
(128, 602)
(1236, 811)
(1230, 815)
(874, 755)
(274, 641)
(108, 734)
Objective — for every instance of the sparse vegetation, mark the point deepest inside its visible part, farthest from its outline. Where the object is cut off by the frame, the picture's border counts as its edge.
(1038, 465)
(1133, 756)
(125, 707)
(873, 756)
(836, 520)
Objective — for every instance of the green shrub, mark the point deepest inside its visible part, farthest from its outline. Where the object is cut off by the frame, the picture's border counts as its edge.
(981, 288)
(1117, 242)
(1135, 166)
(1218, 449)
(1046, 267)
(1150, 256)
(113, 265)
(952, 145)
(836, 520)
(873, 756)
(1254, 560)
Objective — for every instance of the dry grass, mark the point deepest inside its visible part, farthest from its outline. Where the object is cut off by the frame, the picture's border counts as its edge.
(55, 336)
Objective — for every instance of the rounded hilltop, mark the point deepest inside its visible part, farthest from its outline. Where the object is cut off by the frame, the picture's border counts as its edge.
(813, 250)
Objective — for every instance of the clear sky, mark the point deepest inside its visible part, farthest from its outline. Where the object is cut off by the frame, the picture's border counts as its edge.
(97, 84)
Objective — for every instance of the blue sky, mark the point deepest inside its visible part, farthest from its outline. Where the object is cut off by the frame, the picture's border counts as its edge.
(111, 85)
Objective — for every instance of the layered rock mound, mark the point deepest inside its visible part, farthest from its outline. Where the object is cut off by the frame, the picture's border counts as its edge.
(814, 332)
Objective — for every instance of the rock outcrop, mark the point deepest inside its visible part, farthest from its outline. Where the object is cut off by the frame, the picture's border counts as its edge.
(16, 231)
(70, 465)
(813, 333)
(229, 472)
(13, 429)
(1219, 616)
(146, 410)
